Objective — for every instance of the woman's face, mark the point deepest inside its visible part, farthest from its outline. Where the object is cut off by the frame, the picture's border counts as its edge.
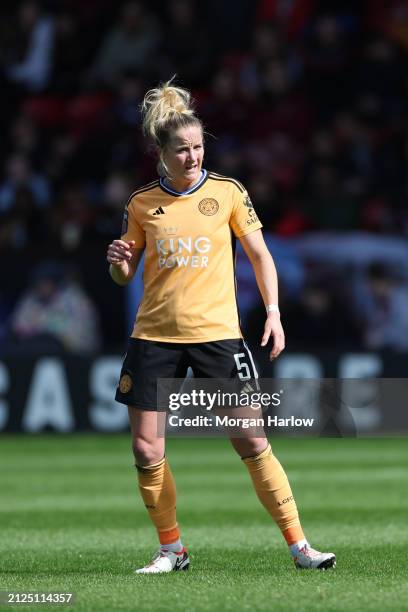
(183, 156)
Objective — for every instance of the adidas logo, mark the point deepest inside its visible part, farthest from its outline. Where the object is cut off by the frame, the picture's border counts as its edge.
(159, 211)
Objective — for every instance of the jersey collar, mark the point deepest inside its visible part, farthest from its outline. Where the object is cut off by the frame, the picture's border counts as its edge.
(201, 181)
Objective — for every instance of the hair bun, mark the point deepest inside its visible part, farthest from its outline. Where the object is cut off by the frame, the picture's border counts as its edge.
(164, 105)
(176, 99)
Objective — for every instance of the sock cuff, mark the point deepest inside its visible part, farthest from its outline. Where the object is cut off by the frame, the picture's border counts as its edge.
(265, 453)
(169, 535)
(293, 534)
(150, 468)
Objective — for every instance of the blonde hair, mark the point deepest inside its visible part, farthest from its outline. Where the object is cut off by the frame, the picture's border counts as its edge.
(164, 109)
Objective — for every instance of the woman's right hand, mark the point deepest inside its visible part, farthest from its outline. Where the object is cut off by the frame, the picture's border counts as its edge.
(120, 251)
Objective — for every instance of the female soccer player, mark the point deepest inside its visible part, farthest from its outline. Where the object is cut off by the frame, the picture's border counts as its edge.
(186, 223)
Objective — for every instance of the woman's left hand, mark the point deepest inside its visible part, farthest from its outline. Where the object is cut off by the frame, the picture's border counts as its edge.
(273, 328)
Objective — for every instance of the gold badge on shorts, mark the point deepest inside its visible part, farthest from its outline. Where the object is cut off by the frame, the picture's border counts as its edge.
(208, 206)
(125, 384)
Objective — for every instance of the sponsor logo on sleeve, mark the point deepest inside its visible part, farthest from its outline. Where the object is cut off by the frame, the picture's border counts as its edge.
(247, 201)
(252, 217)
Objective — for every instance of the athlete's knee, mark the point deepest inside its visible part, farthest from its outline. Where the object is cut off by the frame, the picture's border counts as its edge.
(249, 447)
(147, 452)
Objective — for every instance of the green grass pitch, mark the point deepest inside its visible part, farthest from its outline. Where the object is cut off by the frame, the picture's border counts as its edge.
(71, 521)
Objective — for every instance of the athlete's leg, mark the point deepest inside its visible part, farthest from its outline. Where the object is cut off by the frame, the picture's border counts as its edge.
(156, 482)
(271, 484)
(249, 447)
(273, 489)
(146, 362)
(232, 360)
(158, 490)
(147, 447)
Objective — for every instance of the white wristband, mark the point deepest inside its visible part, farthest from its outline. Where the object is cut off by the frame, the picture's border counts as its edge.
(272, 308)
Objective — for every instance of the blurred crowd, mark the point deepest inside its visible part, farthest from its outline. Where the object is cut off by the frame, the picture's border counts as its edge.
(304, 101)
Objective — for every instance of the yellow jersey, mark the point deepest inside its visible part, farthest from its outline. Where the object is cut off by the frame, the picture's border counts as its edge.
(189, 269)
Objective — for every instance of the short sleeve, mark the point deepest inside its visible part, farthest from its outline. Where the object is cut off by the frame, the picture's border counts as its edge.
(131, 229)
(244, 219)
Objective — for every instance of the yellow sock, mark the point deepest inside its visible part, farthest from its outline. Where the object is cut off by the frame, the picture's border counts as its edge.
(158, 490)
(273, 489)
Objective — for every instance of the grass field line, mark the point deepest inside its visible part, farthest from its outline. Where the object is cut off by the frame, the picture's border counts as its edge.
(141, 538)
(236, 475)
(309, 461)
(84, 501)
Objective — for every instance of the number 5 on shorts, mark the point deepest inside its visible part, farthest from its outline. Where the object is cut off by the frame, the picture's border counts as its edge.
(242, 365)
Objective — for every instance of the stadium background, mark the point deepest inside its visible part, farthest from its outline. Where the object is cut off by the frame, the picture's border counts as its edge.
(305, 102)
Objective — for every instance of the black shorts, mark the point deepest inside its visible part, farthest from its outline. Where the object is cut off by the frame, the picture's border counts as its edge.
(148, 360)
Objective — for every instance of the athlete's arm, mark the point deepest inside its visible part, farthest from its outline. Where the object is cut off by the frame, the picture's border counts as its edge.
(123, 259)
(267, 281)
